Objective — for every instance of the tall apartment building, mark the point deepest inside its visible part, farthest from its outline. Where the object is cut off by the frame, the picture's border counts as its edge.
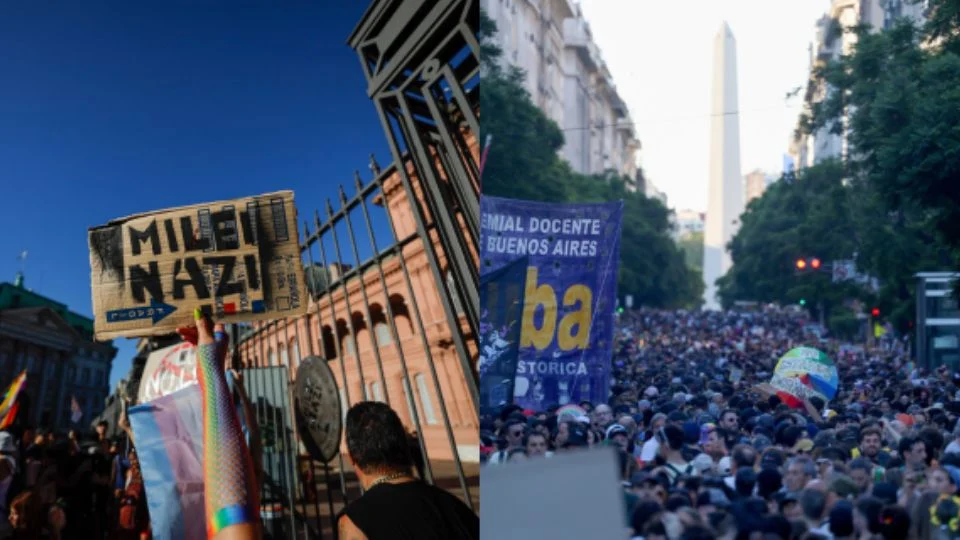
(568, 80)
(830, 43)
(754, 184)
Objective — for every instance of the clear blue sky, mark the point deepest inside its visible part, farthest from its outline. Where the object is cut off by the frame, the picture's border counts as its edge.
(113, 108)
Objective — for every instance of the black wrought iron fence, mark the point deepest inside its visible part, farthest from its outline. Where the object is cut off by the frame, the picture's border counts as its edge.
(392, 272)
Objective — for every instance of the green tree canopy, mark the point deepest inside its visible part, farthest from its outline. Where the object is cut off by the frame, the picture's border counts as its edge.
(524, 164)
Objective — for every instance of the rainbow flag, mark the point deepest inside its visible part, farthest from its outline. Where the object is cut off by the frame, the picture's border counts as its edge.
(9, 406)
(168, 434)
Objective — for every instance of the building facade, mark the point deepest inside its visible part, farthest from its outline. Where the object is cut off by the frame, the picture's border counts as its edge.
(568, 80)
(687, 222)
(831, 41)
(360, 353)
(754, 184)
(62, 360)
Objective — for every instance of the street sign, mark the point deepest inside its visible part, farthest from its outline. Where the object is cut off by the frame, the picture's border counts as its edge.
(318, 409)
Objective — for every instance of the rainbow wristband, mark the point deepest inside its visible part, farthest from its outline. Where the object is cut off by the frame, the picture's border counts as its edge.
(230, 493)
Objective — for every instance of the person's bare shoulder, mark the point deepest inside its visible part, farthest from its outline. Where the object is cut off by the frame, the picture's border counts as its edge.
(349, 531)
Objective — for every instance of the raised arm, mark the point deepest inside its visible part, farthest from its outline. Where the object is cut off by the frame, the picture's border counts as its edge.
(230, 486)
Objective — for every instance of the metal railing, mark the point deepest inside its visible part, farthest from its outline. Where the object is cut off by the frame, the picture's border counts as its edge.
(421, 61)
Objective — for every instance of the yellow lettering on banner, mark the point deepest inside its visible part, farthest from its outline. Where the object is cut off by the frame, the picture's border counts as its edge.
(536, 296)
(579, 319)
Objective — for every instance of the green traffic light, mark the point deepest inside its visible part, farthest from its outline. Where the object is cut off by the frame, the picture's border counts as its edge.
(803, 302)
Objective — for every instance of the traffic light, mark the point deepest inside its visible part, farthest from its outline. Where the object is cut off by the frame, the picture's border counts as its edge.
(815, 263)
(801, 264)
(808, 263)
(803, 302)
(875, 312)
(620, 309)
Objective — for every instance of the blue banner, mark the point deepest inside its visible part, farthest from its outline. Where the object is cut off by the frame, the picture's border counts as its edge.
(501, 310)
(569, 296)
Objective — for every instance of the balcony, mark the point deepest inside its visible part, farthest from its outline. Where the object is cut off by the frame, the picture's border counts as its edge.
(576, 34)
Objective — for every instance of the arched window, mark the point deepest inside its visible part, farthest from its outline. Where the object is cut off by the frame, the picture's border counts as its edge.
(284, 357)
(425, 402)
(382, 331)
(409, 400)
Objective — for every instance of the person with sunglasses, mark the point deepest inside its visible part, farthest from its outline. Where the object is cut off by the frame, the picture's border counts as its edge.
(513, 433)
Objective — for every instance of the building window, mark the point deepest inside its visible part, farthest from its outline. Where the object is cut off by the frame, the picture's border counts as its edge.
(383, 334)
(284, 357)
(425, 402)
(271, 357)
(408, 399)
(295, 347)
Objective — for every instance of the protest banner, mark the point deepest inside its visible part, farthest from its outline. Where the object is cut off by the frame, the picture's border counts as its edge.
(569, 294)
(167, 370)
(237, 260)
(501, 310)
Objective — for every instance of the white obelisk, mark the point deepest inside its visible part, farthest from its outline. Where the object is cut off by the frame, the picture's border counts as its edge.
(725, 203)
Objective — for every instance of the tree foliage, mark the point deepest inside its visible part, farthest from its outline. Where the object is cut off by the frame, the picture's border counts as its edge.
(524, 164)
(897, 208)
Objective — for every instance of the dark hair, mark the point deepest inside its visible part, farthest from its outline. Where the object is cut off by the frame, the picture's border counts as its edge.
(376, 439)
(869, 431)
(103, 423)
(907, 444)
(870, 507)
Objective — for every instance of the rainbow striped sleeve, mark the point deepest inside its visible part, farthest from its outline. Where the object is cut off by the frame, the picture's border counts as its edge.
(230, 490)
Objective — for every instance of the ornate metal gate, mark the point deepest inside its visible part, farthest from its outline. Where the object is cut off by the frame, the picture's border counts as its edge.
(392, 271)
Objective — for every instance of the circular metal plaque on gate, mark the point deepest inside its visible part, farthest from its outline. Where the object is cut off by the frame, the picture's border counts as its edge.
(317, 406)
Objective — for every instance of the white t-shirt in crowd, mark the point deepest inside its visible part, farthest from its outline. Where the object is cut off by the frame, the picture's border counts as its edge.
(953, 447)
(650, 449)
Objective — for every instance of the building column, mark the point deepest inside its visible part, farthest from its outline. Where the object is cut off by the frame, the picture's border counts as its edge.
(61, 370)
(44, 387)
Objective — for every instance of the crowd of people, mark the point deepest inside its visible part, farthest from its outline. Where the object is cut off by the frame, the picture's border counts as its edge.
(82, 486)
(707, 451)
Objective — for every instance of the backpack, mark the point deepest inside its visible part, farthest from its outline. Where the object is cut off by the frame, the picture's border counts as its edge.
(676, 478)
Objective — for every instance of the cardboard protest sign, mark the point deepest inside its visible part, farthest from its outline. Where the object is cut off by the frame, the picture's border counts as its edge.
(237, 260)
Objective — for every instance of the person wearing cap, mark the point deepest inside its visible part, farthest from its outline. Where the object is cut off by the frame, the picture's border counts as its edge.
(617, 436)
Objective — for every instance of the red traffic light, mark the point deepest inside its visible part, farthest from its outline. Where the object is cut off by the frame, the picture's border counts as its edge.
(815, 263)
(801, 264)
(875, 312)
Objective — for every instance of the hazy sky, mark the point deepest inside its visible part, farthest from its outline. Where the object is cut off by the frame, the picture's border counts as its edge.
(661, 53)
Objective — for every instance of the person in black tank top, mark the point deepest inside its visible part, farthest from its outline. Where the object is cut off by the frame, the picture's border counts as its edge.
(395, 505)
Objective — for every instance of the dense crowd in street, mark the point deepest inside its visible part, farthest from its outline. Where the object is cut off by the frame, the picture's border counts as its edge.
(705, 453)
(78, 486)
